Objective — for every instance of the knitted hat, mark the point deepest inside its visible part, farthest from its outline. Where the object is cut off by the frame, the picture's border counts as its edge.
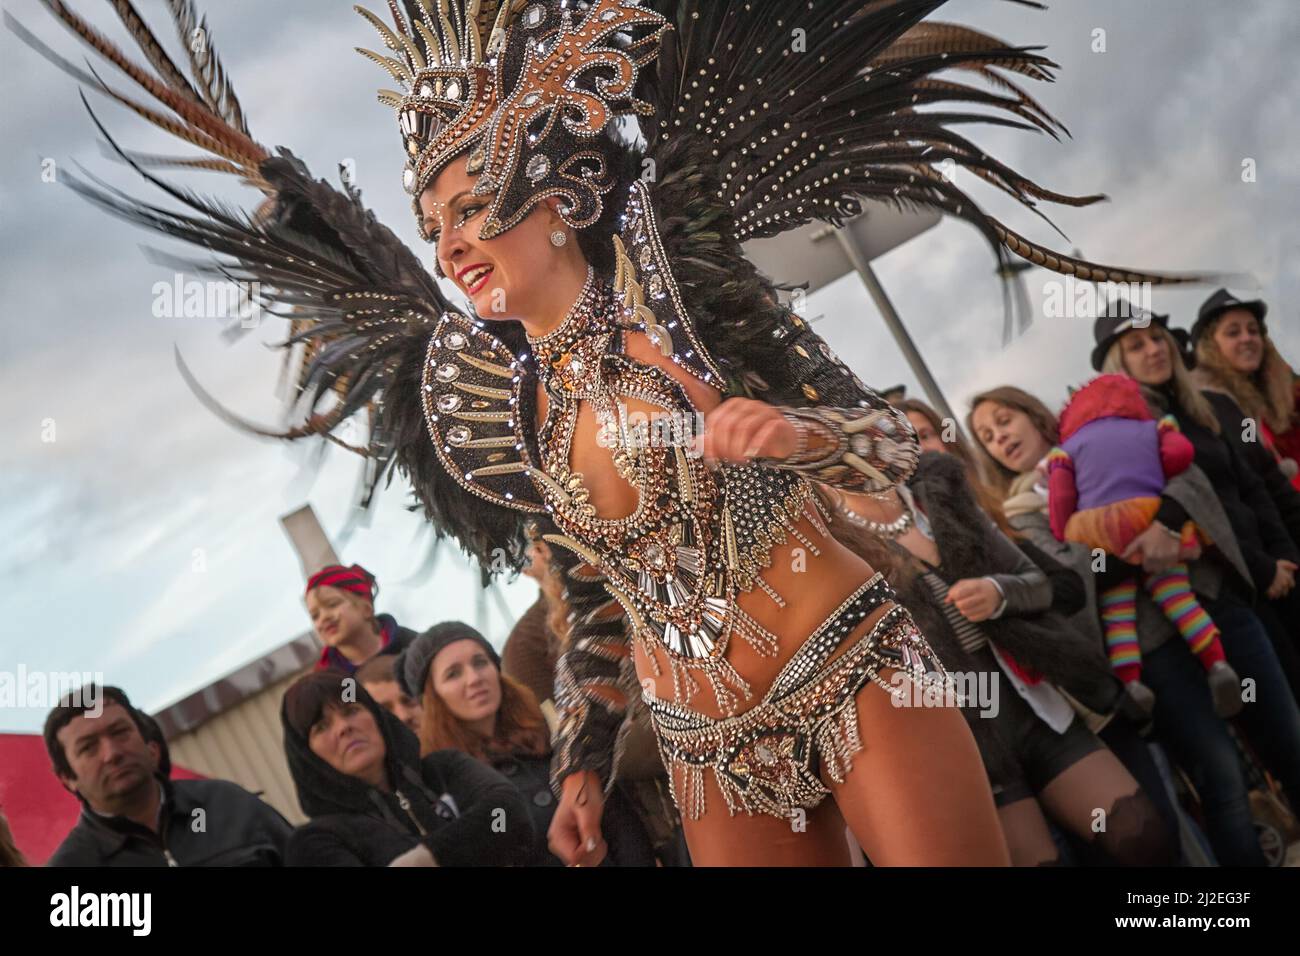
(413, 664)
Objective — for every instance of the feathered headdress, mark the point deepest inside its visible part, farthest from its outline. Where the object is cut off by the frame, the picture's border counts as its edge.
(528, 88)
(755, 116)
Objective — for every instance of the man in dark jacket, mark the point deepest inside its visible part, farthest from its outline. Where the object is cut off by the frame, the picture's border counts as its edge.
(132, 815)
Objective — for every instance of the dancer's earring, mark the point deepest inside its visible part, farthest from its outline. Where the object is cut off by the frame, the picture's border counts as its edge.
(559, 237)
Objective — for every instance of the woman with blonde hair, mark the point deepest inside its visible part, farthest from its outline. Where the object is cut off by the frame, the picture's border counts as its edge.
(1251, 390)
(1246, 377)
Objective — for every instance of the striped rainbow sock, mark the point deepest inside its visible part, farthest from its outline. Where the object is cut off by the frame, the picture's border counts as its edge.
(1119, 618)
(1172, 590)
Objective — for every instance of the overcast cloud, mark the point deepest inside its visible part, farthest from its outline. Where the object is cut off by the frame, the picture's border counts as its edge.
(143, 541)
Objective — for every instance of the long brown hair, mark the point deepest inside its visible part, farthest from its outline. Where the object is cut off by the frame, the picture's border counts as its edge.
(520, 725)
(1180, 383)
(1268, 394)
(996, 475)
(988, 500)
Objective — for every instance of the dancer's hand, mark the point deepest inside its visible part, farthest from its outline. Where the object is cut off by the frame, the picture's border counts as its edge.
(742, 429)
(1283, 580)
(976, 598)
(575, 835)
(1155, 547)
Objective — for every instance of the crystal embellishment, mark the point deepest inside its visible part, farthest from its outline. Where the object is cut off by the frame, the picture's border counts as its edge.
(452, 90)
(408, 179)
(537, 167)
(654, 553)
(447, 373)
(455, 341)
(458, 434)
(533, 16)
(448, 403)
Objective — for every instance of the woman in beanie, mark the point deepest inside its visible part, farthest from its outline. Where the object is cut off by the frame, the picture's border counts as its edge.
(470, 706)
(1014, 433)
(374, 801)
(341, 602)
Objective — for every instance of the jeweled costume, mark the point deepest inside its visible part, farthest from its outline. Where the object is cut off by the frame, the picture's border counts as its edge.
(754, 117)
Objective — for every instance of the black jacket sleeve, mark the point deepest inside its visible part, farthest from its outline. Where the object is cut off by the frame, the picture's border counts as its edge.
(1171, 514)
(1024, 586)
(1068, 592)
(1257, 458)
(493, 826)
(313, 845)
(1277, 543)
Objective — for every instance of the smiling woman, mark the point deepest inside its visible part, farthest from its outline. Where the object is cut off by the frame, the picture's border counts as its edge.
(622, 272)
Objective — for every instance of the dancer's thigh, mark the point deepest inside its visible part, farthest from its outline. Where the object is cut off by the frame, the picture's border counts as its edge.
(918, 794)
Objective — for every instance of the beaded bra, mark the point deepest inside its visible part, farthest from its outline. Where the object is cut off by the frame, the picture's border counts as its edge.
(697, 537)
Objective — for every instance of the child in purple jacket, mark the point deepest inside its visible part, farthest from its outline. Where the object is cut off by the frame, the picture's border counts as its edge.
(1104, 485)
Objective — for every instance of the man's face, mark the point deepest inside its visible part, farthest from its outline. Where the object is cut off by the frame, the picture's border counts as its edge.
(110, 760)
(390, 697)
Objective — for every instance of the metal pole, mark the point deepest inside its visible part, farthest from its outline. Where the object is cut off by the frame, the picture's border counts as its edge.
(895, 324)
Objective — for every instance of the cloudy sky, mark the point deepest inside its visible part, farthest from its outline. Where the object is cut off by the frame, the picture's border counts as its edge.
(139, 535)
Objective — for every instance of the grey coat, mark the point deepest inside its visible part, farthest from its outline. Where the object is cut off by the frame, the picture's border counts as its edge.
(1193, 491)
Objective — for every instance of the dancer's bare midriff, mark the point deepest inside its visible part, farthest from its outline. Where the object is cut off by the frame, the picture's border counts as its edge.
(812, 585)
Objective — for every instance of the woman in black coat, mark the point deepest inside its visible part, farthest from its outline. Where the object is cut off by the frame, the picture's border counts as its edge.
(374, 802)
(1041, 758)
(468, 705)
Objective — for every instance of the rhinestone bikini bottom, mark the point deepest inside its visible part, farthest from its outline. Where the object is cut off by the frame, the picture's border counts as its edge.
(768, 758)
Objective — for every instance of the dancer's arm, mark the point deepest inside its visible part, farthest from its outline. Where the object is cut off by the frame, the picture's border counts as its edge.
(592, 693)
(868, 448)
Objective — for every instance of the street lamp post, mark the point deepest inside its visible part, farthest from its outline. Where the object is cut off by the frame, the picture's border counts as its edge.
(818, 254)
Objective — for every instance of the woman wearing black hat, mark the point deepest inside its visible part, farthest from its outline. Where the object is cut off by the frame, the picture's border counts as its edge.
(470, 706)
(372, 799)
(1141, 347)
(1251, 390)
(1239, 363)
